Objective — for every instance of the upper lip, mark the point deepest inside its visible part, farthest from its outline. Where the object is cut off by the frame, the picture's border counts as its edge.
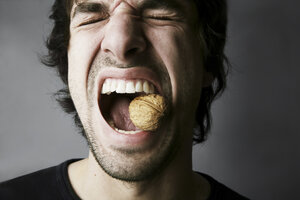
(129, 74)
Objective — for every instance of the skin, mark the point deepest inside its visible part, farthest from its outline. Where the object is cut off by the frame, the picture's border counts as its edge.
(129, 37)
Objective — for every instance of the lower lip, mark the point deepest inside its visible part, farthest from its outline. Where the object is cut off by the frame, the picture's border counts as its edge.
(131, 139)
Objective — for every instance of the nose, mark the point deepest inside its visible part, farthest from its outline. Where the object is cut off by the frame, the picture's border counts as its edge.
(123, 37)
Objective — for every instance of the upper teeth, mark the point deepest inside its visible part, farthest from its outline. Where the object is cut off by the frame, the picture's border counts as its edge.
(126, 86)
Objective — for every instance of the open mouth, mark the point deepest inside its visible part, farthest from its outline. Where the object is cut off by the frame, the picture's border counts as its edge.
(114, 100)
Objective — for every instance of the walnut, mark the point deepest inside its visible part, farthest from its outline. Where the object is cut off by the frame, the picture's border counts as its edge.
(146, 112)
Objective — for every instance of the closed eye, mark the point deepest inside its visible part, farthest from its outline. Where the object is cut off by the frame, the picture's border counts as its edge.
(92, 21)
(159, 17)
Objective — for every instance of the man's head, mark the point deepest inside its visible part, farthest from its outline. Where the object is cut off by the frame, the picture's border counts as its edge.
(174, 46)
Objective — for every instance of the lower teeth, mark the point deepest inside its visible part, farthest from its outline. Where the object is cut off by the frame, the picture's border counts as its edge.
(111, 123)
(126, 132)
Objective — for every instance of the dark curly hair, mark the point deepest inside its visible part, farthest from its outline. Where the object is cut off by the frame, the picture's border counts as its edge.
(212, 23)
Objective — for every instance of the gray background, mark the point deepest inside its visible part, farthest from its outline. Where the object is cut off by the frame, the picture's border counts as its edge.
(254, 145)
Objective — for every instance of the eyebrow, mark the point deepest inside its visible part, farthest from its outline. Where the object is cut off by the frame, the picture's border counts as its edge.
(161, 4)
(89, 7)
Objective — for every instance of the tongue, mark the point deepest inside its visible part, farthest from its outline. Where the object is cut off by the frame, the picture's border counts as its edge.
(120, 114)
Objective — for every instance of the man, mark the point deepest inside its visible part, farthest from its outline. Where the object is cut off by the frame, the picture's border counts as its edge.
(108, 52)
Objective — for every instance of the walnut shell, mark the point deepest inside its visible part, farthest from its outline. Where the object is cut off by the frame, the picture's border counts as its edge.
(147, 111)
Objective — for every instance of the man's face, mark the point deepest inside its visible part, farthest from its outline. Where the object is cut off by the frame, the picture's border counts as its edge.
(117, 46)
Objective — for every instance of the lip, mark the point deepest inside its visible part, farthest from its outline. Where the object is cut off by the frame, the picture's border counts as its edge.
(127, 74)
(125, 140)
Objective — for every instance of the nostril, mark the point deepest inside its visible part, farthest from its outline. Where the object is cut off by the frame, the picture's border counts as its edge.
(132, 51)
(107, 51)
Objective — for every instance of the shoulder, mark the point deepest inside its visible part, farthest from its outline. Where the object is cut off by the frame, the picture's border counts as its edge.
(43, 184)
(219, 191)
(30, 185)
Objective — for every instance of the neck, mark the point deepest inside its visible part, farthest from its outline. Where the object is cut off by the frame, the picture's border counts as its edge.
(177, 181)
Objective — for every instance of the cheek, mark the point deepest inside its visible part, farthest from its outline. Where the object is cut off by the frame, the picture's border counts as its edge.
(81, 51)
(181, 55)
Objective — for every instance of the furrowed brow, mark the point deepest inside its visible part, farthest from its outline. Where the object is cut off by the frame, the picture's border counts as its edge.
(89, 7)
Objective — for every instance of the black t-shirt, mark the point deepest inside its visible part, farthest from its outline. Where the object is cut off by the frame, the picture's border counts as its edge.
(53, 184)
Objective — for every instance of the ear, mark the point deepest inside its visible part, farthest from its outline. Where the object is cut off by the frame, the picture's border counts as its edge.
(208, 79)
